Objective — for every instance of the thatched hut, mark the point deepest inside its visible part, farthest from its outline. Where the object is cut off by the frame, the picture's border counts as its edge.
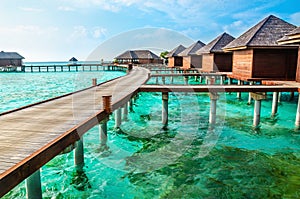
(10, 59)
(138, 57)
(258, 56)
(293, 37)
(214, 58)
(174, 60)
(189, 56)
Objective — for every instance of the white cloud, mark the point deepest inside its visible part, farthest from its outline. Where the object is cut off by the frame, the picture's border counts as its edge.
(79, 32)
(99, 32)
(295, 18)
(66, 8)
(29, 9)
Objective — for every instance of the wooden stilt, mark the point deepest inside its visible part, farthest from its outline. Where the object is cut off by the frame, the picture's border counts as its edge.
(297, 122)
(213, 107)
(103, 132)
(33, 186)
(257, 107)
(125, 111)
(275, 103)
(79, 155)
(238, 94)
(250, 98)
(118, 118)
(165, 99)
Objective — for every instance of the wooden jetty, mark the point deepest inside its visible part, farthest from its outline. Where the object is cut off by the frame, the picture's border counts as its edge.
(73, 68)
(31, 136)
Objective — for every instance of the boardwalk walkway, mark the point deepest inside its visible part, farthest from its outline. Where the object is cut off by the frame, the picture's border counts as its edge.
(32, 136)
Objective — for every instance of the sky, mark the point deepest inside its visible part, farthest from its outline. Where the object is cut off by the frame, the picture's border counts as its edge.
(56, 30)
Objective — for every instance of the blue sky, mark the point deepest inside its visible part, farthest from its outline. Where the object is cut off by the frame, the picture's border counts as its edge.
(56, 30)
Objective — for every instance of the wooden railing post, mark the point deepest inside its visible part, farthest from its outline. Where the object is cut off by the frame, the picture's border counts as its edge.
(106, 99)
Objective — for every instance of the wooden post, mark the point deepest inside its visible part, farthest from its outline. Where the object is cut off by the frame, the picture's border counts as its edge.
(163, 79)
(79, 155)
(297, 122)
(250, 98)
(171, 80)
(201, 79)
(39, 69)
(186, 80)
(125, 111)
(62, 68)
(221, 80)
(69, 68)
(33, 186)
(213, 107)
(118, 118)
(292, 95)
(156, 80)
(257, 107)
(103, 132)
(106, 100)
(165, 99)
(94, 80)
(279, 97)
(31, 68)
(238, 94)
(229, 81)
(130, 104)
(275, 103)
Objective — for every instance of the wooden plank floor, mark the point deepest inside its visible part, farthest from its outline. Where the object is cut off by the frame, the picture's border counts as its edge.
(31, 137)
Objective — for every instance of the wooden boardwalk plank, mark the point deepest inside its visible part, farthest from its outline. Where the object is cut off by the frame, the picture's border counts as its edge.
(33, 135)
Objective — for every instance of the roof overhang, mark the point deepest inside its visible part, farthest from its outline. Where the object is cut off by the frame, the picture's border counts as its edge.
(235, 48)
(292, 39)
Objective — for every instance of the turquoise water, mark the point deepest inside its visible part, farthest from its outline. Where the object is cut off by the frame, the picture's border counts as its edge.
(19, 89)
(190, 159)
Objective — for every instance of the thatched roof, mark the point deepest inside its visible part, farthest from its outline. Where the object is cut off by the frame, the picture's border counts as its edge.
(217, 44)
(291, 37)
(264, 34)
(138, 54)
(176, 51)
(73, 59)
(10, 55)
(191, 50)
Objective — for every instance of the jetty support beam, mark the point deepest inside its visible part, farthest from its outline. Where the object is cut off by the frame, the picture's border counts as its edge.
(257, 107)
(79, 155)
(33, 186)
(297, 123)
(103, 132)
(275, 103)
(118, 118)
(165, 99)
(213, 107)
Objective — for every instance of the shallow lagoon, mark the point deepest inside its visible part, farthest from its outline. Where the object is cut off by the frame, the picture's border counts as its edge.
(188, 160)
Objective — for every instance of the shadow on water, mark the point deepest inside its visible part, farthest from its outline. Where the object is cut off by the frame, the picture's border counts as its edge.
(227, 172)
(80, 180)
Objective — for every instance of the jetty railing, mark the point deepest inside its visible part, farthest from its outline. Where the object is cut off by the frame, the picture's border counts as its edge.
(73, 68)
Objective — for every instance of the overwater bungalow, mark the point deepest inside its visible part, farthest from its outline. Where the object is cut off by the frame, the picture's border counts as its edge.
(258, 56)
(138, 57)
(213, 56)
(189, 56)
(73, 61)
(293, 37)
(9, 61)
(174, 60)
